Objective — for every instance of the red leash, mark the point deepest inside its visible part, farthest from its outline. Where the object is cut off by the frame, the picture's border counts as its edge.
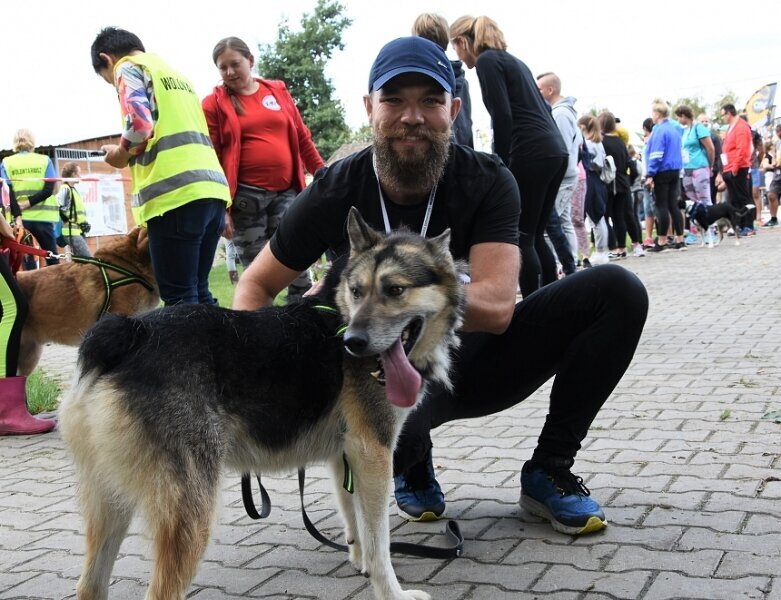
(16, 250)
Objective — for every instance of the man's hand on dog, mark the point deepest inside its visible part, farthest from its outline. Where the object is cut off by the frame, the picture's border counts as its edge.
(116, 156)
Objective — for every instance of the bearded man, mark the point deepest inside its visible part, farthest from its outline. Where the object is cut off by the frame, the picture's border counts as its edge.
(413, 176)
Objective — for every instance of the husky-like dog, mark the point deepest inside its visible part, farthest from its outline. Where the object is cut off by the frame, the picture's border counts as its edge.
(163, 403)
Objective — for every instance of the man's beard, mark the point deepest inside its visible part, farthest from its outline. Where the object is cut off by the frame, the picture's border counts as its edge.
(417, 170)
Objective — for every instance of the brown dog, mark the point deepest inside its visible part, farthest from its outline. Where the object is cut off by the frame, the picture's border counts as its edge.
(66, 299)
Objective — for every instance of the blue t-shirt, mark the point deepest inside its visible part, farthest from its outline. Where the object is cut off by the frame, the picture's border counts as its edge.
(692, 151)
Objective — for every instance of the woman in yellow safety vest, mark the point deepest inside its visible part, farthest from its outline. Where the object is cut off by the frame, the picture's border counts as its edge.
(30, 179)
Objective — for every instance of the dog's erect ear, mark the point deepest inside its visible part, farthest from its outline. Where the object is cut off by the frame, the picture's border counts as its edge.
(362, 237)
(142, 241)
(442, 242)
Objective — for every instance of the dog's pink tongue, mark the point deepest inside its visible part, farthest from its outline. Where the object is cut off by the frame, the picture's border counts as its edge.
(402, 381)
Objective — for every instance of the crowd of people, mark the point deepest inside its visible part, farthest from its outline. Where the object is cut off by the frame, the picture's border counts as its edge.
(233, 164)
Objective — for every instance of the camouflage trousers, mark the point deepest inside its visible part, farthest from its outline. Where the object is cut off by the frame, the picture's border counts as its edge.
(256, 214)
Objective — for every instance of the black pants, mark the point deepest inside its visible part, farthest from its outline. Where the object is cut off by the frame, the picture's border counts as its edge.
(538, 181)
(667, 188)
(623, 220)
(12, 320)
(583, 330)
(739, 193)
(43, 232)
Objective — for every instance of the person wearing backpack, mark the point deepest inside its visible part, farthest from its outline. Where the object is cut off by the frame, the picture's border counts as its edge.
(620, 210)
(663, 175)
(593, 158)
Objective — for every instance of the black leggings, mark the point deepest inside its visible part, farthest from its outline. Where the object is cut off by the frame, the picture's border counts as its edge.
(667, 186)
(13, 312)
(538, 181)
(621, 213)
(583, 329)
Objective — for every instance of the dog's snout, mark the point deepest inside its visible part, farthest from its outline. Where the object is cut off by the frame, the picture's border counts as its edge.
(356, 342)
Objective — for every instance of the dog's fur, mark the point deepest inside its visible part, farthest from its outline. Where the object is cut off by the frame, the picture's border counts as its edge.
(65, 299)
(165, 402)
(723, 215)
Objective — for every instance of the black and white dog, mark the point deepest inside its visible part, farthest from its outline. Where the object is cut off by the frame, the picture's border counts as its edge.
(723, 215)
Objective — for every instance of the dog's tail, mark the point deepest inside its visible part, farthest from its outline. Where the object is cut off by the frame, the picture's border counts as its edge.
(743, 210)
(107, 342)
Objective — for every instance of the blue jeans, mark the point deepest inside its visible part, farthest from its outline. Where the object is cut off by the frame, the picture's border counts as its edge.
(182, 243)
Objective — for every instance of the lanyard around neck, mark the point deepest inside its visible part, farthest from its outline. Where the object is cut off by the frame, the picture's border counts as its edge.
(386, 221)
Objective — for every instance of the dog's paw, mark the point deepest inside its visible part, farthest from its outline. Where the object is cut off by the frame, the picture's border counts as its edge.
(356, 556)
(414, 595)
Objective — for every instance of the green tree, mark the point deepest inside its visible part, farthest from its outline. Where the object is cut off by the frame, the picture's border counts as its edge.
(729, 97)
(361, 135)
(299, 59)
(697, 104)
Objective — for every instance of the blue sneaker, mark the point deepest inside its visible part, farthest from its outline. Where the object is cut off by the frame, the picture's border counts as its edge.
(552, 492)
(418, 495)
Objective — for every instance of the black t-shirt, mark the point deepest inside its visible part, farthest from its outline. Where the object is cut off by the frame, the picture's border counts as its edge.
(615, 147)
(522, 121)
(477, 199)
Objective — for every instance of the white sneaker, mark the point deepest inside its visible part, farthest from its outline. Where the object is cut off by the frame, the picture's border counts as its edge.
(599, 258)
(639, 251)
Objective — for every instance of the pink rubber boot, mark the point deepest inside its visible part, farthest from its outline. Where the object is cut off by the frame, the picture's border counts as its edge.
(14, 416)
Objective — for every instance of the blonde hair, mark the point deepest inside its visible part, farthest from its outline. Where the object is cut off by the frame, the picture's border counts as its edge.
(480, 34)
(432, 27)
(661, 108)
(24, 140)
(590, 128)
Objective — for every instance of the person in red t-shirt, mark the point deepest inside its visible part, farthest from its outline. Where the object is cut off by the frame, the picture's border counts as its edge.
(263, 146)
(736, 160)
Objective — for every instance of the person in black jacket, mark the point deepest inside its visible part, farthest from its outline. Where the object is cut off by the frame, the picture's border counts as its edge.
(619, 195)
(435, 28)
(526, 137)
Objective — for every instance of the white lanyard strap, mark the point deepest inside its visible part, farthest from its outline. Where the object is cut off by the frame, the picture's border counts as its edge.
(386, 221)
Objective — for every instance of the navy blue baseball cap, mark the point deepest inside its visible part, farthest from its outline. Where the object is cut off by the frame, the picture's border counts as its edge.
(412, 55)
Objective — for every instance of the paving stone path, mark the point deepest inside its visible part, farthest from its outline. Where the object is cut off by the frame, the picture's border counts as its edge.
(680, 457)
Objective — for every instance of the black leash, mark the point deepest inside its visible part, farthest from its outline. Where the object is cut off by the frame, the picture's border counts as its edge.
(452, 530)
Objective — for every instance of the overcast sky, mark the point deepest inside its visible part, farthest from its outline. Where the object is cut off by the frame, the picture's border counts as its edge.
(613, 53)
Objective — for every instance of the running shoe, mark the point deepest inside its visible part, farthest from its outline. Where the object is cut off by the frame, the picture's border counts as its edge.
(418, 495)
(552, 492)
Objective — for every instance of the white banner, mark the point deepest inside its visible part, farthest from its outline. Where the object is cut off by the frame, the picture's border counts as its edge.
(104, 201)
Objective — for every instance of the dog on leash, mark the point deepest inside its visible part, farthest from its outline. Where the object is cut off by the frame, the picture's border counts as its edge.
(164, 403)
(723, 215)
(64, 300)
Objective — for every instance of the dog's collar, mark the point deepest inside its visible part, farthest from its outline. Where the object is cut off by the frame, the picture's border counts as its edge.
(333, 311)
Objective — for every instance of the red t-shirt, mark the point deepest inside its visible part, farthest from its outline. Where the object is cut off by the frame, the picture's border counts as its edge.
(266, 160)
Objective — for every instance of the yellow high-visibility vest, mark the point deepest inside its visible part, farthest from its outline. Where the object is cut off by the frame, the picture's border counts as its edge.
(26, 171)
(179, 163)
(77, 213)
